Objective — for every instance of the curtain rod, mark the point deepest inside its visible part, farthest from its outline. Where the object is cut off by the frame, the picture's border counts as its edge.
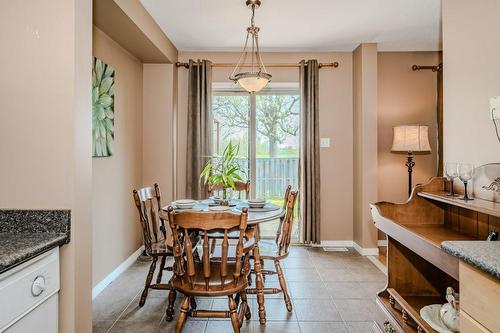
(323, 64)
(433, 68)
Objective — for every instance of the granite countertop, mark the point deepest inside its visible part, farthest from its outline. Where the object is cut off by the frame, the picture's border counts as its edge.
(24, 234)
(485, 255)
(16, 247)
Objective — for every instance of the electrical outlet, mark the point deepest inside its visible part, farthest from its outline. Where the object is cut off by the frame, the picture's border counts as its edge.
(325, 142)
(495, 108)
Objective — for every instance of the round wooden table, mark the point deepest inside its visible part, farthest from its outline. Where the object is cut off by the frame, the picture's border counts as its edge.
(270, 212)
(255, 216)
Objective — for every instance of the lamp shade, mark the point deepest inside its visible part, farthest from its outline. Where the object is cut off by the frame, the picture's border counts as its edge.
(253, 82)
(410, 138)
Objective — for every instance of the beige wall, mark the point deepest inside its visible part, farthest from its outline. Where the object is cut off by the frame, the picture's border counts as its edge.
(365, 142)
(45, 130)
(116, 232)
(405, 97)
(471, 48)
(158, 118)
(335, 123)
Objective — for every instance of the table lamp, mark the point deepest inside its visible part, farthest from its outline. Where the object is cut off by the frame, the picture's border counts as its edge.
(409, 139)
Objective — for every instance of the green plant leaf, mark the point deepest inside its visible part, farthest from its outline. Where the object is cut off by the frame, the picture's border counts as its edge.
(109, 113)
(99, 68)
(110, 143)
(109, 71)
(111, 90)
(105, 85)
(109, 125)
(105, 100)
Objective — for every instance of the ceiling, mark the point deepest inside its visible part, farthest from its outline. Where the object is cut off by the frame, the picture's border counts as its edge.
(307, 25)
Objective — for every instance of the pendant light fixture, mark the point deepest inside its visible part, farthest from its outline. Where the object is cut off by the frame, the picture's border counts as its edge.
(257, 78)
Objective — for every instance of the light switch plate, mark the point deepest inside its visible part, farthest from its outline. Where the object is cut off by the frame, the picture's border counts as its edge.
(324, 142)
(495, 108)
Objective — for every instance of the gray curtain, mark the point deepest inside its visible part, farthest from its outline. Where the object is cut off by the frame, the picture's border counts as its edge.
(309, 151)
(199, 134)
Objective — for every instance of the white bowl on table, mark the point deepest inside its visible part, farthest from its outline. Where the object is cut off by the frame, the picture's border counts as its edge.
(257, 203)
(185, 203)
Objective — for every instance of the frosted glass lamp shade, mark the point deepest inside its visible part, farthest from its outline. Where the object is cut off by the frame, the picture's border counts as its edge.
(253, 82)
(410, 138)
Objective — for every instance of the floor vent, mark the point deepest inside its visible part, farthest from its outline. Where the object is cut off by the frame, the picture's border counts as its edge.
(335, 249)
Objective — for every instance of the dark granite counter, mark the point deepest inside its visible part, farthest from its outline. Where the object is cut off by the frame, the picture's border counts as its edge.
(484, 255)
(25, 234)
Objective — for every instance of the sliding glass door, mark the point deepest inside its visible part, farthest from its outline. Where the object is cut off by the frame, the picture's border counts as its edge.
(266, 126)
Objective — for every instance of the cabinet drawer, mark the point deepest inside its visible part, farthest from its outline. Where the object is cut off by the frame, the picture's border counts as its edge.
(480, 296)
(469, 325)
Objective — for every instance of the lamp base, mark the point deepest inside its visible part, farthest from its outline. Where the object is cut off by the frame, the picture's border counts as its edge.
(409, 164)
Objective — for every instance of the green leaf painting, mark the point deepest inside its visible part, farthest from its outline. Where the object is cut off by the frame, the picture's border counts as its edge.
(103, 103)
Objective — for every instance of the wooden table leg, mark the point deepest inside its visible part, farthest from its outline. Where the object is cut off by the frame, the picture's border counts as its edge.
(259, 284)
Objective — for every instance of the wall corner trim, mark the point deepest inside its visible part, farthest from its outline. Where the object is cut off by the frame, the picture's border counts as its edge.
(365, 251)
(116, 272)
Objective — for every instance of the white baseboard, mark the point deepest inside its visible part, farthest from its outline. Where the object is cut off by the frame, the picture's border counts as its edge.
(117, 271)
(365, 251)
(382, 242)
(378, 264)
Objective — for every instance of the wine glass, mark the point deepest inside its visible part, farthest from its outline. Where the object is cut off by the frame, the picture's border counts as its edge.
(465, 173)
(451, 171)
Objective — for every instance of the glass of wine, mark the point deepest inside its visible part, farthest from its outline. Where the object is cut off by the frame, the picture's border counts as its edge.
(465, 173)
(451, 171)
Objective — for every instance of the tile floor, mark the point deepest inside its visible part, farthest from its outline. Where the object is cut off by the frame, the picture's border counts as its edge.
(331, 292)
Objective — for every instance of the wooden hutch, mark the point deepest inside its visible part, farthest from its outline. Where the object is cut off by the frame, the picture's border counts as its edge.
(418, 269)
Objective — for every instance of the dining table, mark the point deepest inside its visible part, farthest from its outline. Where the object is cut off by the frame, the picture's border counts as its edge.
(256, 216)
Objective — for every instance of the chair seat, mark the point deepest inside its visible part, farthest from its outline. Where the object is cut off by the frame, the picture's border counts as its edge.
(269, 250)
(215, 288)
(162, 247)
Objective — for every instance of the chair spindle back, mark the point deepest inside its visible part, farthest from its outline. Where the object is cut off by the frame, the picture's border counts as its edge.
(285, 234)
(184, 223)
(148, 203)
(285, 202)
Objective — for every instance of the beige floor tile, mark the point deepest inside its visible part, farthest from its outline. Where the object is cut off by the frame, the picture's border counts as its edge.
(190, 326)
(276, 327)
(335, 274)
(312, 290)
(152, 311)
(297, 262)
(360, 327)
(110, 304)
(275, 310)
(226, 327)
(301, 274)
(101, 326)
(358, 310)
(322, 327)
(315, 310)
(327, 288)
(134, 326)
(343, 290)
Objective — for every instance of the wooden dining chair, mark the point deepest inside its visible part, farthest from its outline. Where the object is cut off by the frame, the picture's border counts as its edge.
(240, 187)
(207, 277)
(278, 249)
(157, 241)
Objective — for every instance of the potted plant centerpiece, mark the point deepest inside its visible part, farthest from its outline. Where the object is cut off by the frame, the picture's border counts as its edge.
(223, 171)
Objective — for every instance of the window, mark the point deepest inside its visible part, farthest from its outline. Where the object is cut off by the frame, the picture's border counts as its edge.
(266, 127)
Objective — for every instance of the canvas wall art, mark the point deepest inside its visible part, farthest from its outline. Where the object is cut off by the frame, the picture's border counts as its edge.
(103, 102)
